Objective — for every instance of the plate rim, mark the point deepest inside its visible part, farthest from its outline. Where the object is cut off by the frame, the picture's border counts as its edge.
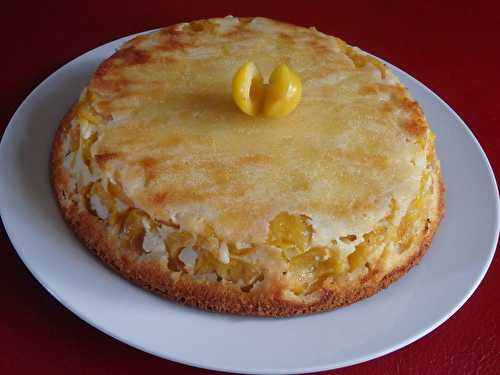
(308, 369)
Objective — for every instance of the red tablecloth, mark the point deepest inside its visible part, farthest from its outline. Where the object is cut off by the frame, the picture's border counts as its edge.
(453, 49)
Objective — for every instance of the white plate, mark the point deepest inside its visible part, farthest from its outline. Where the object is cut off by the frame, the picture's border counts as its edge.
(422, 300)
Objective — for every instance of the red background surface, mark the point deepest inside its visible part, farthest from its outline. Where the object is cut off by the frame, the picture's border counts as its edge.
(453, 49)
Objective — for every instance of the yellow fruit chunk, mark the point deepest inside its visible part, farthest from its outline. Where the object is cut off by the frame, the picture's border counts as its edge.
(106, 198)
(116, 190)
(87, 149)
(276, 99)
(309, 271)
(359, 256)
(242, 251)
(364, 250)
(236, 271)
(290, 232)
(407, 229)
(333, 266)
(133, 229)
(309, 259)
(302, 268)
(178, 240)
(248, 89)
(74, 136)
(283, 92)
(96, 189)
(88, 115)
(175, 242)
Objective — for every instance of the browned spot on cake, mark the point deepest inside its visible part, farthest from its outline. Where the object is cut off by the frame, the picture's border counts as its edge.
(159, 199)
(131, 56)
(397, 93)
(220, 175)
(415, 127)
(198, 25)
(387, 107)
(105, 107)
(369, 89)
(150, 168)
(137, 41)
(172, 44)
(172, 40)
(245, 20)
(319, 47)
(412, 106)
(104, 68)
(167, 59)
(148, 163)
(104, 81)
(102, 159)
(201, 25)
(171, 30)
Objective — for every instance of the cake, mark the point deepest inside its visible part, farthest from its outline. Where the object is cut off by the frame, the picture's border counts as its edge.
(165, 179)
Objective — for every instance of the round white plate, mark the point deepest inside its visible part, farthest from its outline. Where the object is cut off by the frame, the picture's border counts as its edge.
(422, 300)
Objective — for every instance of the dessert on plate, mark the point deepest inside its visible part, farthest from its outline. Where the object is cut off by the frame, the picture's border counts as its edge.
(249, 201)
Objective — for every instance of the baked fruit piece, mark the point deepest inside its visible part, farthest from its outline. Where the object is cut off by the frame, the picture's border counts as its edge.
(158, 172)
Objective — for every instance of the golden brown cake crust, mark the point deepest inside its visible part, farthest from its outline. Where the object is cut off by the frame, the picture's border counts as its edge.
(219, 297)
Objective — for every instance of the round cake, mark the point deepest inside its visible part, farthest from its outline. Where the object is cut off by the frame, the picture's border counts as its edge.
(160, 174)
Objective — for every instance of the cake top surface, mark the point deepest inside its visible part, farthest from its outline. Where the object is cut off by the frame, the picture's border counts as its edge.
(169, 133)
